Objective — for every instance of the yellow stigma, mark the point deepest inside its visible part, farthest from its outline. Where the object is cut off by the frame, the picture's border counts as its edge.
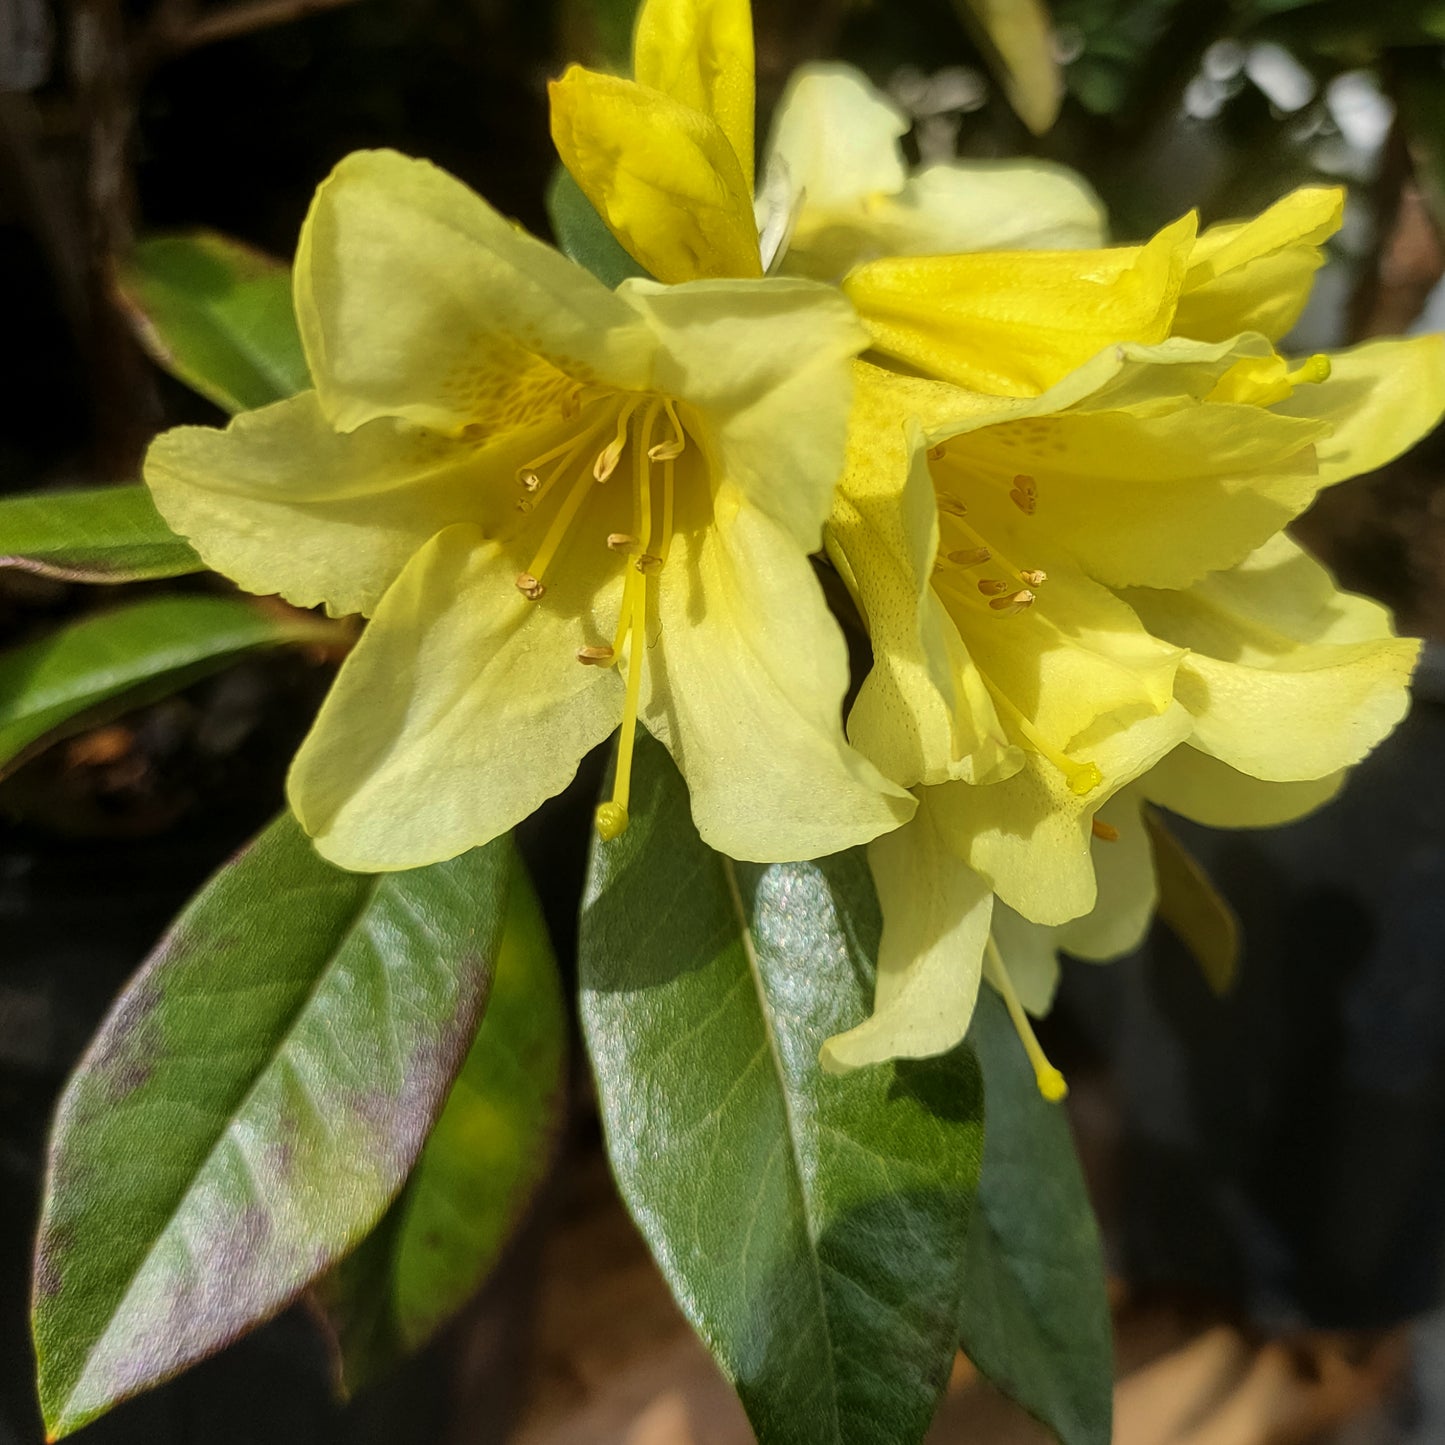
(1050, 1081)
(611, 821)
(1311, 371)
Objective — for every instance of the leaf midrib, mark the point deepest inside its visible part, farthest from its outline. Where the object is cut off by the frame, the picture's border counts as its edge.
(365, 901)
(754, 968)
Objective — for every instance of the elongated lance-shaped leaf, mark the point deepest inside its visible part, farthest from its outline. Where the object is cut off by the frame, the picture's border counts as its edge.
(218, 315)
(101, 534)
(810, 1226)
(480, 1169)
(251, 1106)
(97, 667)
(582, 234)
(1035, 1317)
(1195, 910)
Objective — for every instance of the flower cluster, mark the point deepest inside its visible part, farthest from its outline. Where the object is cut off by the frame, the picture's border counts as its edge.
(1053, 474)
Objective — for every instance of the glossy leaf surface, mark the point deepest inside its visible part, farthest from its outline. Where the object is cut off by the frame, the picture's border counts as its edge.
(479, 1171)
(217, 314)
(1035, 1317)
(101, 534)
(250, 1106)
(93, 668)
(811, 1226)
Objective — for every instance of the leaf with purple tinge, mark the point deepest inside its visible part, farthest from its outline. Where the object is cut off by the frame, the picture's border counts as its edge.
(480, 1170)
(251, 1106)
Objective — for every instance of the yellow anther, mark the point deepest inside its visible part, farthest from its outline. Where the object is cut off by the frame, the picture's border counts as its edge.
(1010, 606)
(622, 541)
(648, 564)
(1025, 495)
(993, 586)
(1035, 578)
(937, 454)
(611, 821)
(526, 504)
(971, 556)
(572, 403)
(667, 451)
(607, 459)
(528, 479)
(594, 656)
(951, 506)
(1105, 832)
(529, 586)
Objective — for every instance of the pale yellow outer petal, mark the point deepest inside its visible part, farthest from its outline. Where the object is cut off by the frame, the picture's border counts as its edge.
(936, 915)
(835, 143)
(461, 709)
(416, 299)
(1029, 836)
(700, 53)
(1156, 495)
(744, 684)
(1256, 275)
(279, 502)
(923, 714)
(1030, 956)
(663, 176)
(1128, 889)
(1013, 323)
(1289, 679)
(768, 366)
(1201, 788)
(1380, 398)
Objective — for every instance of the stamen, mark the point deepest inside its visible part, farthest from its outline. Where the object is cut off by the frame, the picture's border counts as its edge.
(612, 816)
(529, 586)
(951, 506)
(1050, 1081)
(611, 454)
(1011, 606)
(1035, 578)
(648, 564)
(596, 656)
(622, 541)
(971, 557)
(528, 479)
(1105, 832)
(937, 454)
(1025, 495)
(993, 586)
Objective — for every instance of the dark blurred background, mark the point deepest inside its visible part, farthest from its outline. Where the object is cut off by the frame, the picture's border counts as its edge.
(1269, 1164)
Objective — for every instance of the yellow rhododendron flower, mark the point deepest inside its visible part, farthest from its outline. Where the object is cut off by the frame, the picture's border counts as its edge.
(563, 508)
(1069, 467)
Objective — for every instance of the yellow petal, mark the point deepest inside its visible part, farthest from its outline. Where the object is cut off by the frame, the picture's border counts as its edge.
(936, 914)
(923, 713)
(279, 502)
(1029, 836)
(662, 175)
(1154, 494)
(1380, 398)
(417, 300)
(1201, 788)
(1021, 42)
(1288, 678)
(1014, 323)
(700, 53)
(1031, 957)
(745, 685)
(769, 365)
(1128, 890)
(1256, 275)
(462, 709)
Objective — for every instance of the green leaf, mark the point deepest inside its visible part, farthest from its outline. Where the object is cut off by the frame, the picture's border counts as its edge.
(480, 1169)
(218, 315)
(583, 235)
(251, 1105)
(811, 1226)
(104, 534)
(97, 667)
(1035, 1317)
